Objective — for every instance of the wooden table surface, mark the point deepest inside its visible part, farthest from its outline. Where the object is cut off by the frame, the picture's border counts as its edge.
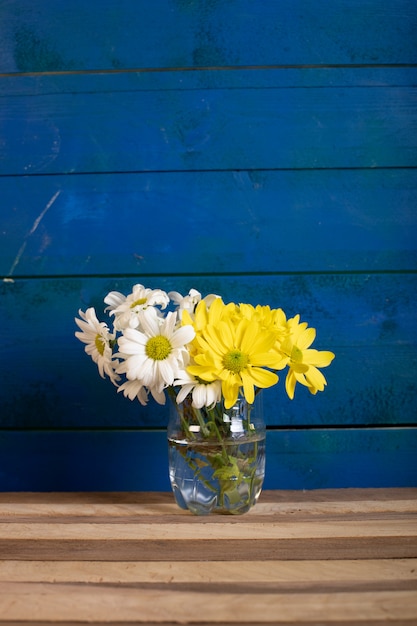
(316, 557)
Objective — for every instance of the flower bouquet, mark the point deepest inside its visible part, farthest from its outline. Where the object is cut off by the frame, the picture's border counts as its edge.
(211, 359)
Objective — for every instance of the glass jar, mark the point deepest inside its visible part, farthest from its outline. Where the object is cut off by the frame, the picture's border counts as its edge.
(216, 456)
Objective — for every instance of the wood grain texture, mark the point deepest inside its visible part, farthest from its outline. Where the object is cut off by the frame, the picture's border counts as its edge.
(367, 319)
(350, 573)
(123, 506)
(152, 606)
(179, 79)
(358, 569)
(127, 460)
(240, 221)
(54, 37)
(202, 129)
(262, 151)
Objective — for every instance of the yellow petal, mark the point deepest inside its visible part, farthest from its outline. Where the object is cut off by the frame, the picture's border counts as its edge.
(215, 311)
(230, 393)
(300, 378)
(248, 388)
(269, 359)
(290, 384)
(306, 338)
(262, 378)
(254, 339)
(321, 358)
(316, 378)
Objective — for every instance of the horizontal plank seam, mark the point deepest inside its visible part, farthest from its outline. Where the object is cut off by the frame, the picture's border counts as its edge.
(218, 170)
(212, 68)
(280, 531)
(304, 87)
(287, 428)
(294, 515)
(235, 586)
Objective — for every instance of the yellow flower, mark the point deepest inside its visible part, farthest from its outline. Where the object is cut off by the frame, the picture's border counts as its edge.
(303, 361)
(204, 315)
(235, 350)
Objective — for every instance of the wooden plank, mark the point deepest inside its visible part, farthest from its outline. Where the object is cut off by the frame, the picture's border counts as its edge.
(354, 622)
(44, 602)
(22, 506)
(357, 398)
(258, 77)
(283, 221)
(133, 460)
(371, 547)
(122, 34)
(357, 569)
(205, 130)
(367, 320)
(210, 572)
(145, 531)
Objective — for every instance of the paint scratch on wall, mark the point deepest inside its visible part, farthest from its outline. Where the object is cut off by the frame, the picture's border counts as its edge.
(32, 230)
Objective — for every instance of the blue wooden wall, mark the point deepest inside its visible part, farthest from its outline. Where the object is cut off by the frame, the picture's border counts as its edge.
(265, 151)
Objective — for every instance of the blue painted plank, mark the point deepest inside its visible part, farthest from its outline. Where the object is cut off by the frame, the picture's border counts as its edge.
(367, 320)
(207, 79)
(239, 221)
(59, 36)
(204, 130)
(375, 457)
(137, 460)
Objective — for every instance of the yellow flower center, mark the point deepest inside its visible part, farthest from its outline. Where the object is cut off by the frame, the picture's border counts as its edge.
(100, 344)
(158, 348)
(138, 302)
(235, 361)
(296, 355)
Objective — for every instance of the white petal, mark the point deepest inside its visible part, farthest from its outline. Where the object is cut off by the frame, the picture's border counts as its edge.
(147, 373)
(166, 371)
(149, 322)
(114, 299)
(182, 336)
(183, 392)
(175, 296)
(199, 396)
(159, 396)
(132, 341)
(168, 327)
(132, 367)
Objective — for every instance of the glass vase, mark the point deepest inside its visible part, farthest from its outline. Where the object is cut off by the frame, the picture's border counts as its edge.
(216, 456)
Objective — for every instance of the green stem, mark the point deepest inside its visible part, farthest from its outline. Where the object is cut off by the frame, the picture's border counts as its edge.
(214, 430)
(203, 426)
(221, 441)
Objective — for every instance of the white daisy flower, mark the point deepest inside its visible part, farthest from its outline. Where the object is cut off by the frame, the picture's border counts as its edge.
(114, 299)
(203, 394)
(126, 309)
(154, 354)
(190, 301)
(134, 389)
(98, 339)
